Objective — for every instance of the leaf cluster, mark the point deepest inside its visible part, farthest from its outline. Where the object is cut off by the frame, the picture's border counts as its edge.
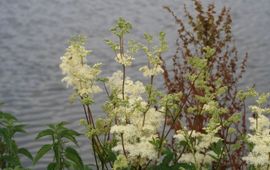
(9, 150)
(64, 156)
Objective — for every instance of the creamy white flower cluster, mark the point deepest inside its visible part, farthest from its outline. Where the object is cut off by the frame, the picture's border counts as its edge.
(133, 90)
(154, 69)
(124, 59)
(198, 144)
(78, 74)
(260, 124)
(130, 131)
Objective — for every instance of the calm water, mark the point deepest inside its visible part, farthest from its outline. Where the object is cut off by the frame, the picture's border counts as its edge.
(33, 36)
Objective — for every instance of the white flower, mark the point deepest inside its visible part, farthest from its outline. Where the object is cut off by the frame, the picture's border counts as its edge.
(128, 131)
(179, 136)
(136, 136)
(77, 73)
(148, 72)
(260, 154)
(200, 146)
(124, 59)
(259, 110)
(134, 89)
(260, 124)
(120, 163)
(209, 107)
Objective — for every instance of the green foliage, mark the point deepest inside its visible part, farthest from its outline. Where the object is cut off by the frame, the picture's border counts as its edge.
(168, 164)
(121, 27)
(194, 126)
(9, 150)
(78, 40)
(63, 156)
(114, 46)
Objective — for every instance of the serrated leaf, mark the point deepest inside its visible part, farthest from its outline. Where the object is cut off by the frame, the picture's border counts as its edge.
(42, 151)
(46, 132)
(189, 166)
(7, 116)
(26, 153)
(70, 132)
(51, 166)
(71, 138)
(168, 156)
(4, 133)
(72, 155)
(62, 124)
(19, 128)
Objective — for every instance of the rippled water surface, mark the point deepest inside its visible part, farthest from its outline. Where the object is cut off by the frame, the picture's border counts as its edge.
(33, 36)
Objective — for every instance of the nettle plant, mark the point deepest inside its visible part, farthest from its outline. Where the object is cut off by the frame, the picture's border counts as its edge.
(64, 155)
(10, 152)
(145, 128)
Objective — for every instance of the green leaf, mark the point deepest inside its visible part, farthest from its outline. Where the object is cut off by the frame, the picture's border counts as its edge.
(51, 166)
(72, 132)
(62, 124)
(42, 151)
(26, 153)
(217, 147)
(69, 134)
(4, 133)
(72, 155)
(87, 167)
(7, 116)
(46, 132)
(19, 128)
(70, 137)
(251, 167)
(189, 166)
(168, 157)
(148, 37)
(113, 45)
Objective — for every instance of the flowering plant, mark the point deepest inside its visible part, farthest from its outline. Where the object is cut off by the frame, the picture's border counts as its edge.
(136, 130)
(145, 128)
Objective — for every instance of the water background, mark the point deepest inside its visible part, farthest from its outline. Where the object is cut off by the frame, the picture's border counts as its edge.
(34, 34)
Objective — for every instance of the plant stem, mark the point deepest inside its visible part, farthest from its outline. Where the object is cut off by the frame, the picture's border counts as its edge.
(95, 155)
(121, 42)
(123, 145)
(90, 116)
(148, 102)
(85, 113)
(163, 133)
(106, 90)
(95, 139)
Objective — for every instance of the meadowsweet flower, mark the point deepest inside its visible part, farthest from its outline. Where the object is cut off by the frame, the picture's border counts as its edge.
(259, 124)
(77, 73)
(124, 59)
(143, 150)
(197, 158)
(137, 137)
(134, 89)
(200, 152)
(259, 110)
(120, 163)
(153, 67)
(209, 107)
(148, 72)
(260, 154)
(128, 131)
(136, 134)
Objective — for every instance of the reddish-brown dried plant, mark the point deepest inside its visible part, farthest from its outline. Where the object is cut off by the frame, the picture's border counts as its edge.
(196, 31)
